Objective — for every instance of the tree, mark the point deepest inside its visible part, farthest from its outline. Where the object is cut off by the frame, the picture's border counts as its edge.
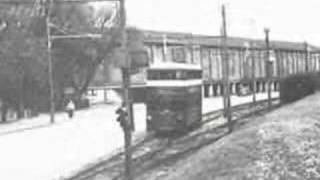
(21, 58)
(23, 64)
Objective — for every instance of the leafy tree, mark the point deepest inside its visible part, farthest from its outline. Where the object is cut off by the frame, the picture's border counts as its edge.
(22, 68)
(23, 52)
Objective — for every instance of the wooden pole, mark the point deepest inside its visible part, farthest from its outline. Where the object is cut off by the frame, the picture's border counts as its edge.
(225, 60)
(49, 56)
(269, 64)
(126, 95)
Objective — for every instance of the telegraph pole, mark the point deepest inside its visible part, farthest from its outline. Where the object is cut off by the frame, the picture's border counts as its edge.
(225, 60)
(49, 56)
(269, 65)
(126, 94)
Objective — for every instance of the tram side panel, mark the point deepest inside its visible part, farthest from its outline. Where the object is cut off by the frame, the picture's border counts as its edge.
(206, 64)
(258, 64)
(196, 54)
(214, 58)
(304, 62)
(297, 62)
(262, 63)
(284, 63)
(279, 64)
(157, 54)
(287, 62)
(317, 62)
(193, 111)
(234, 65)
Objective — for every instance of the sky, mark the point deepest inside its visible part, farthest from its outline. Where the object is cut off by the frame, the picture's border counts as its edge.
(290, 20)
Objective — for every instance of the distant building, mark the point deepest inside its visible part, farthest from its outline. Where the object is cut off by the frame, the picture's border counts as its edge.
(290, 57)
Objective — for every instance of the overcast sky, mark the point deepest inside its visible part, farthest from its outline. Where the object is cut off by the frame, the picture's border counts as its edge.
(292, 20)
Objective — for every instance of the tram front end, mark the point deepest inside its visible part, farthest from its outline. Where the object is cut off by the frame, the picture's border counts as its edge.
(174, 98)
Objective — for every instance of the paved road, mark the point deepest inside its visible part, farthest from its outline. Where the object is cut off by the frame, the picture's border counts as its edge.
(33, 149)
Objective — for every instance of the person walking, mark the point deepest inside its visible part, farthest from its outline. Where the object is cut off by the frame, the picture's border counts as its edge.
(70, 108)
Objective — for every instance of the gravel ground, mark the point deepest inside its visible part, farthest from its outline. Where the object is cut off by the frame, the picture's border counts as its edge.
(281, 145)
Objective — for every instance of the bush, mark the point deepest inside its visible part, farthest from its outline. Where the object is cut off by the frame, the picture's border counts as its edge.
(295, 87)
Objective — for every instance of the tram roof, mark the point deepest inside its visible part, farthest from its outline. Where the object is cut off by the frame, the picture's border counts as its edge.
(174, 66)
(177, 38)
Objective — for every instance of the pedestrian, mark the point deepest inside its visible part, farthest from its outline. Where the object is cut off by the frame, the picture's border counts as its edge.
(70, 108)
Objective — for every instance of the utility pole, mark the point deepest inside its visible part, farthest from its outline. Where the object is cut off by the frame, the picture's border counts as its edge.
(126, 94)
(49, 56)
(225, 61)
(269, 65)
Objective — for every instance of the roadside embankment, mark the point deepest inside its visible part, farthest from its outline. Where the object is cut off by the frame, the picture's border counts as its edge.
(284, 144)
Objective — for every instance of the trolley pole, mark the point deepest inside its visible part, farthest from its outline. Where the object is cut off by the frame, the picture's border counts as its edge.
(49, 56)
(126, 94)
(269, 64)
(225, 60)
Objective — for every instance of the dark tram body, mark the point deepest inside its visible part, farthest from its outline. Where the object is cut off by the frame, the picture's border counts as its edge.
(174, 97)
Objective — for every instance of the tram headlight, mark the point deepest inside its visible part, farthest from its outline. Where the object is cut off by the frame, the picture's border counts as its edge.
(149, 118)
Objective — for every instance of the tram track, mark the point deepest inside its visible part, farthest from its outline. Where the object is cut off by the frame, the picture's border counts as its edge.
(152, 152)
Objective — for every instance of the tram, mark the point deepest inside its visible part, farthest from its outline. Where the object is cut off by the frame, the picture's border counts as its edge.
(174, 97)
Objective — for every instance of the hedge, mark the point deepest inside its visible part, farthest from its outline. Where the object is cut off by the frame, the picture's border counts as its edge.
(297, 86)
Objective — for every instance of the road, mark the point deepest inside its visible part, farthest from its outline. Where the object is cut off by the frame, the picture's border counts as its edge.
(33, 149)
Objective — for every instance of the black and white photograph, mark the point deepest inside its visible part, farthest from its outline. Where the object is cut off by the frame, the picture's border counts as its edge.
(159, 90)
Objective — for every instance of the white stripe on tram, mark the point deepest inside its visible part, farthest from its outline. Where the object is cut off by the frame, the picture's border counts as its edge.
(173, 83)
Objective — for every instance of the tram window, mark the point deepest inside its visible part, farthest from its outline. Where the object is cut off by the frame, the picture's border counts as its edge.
(154, 75)
(179, 75)
(182, 75)
(194, 75)
(168, 75)
(174, 75)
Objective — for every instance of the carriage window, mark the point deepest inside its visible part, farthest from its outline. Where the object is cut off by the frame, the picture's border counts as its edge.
(194, 75)
(179, 54)
(168, 75)
(153, 75)
(161, 75)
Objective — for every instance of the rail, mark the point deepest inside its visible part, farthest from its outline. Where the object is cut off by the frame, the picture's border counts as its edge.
(151, 151)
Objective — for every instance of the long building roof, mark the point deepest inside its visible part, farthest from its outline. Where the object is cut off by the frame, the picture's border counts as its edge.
(157, 37)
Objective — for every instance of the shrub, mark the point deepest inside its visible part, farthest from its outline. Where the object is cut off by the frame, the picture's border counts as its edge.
(297, 86)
